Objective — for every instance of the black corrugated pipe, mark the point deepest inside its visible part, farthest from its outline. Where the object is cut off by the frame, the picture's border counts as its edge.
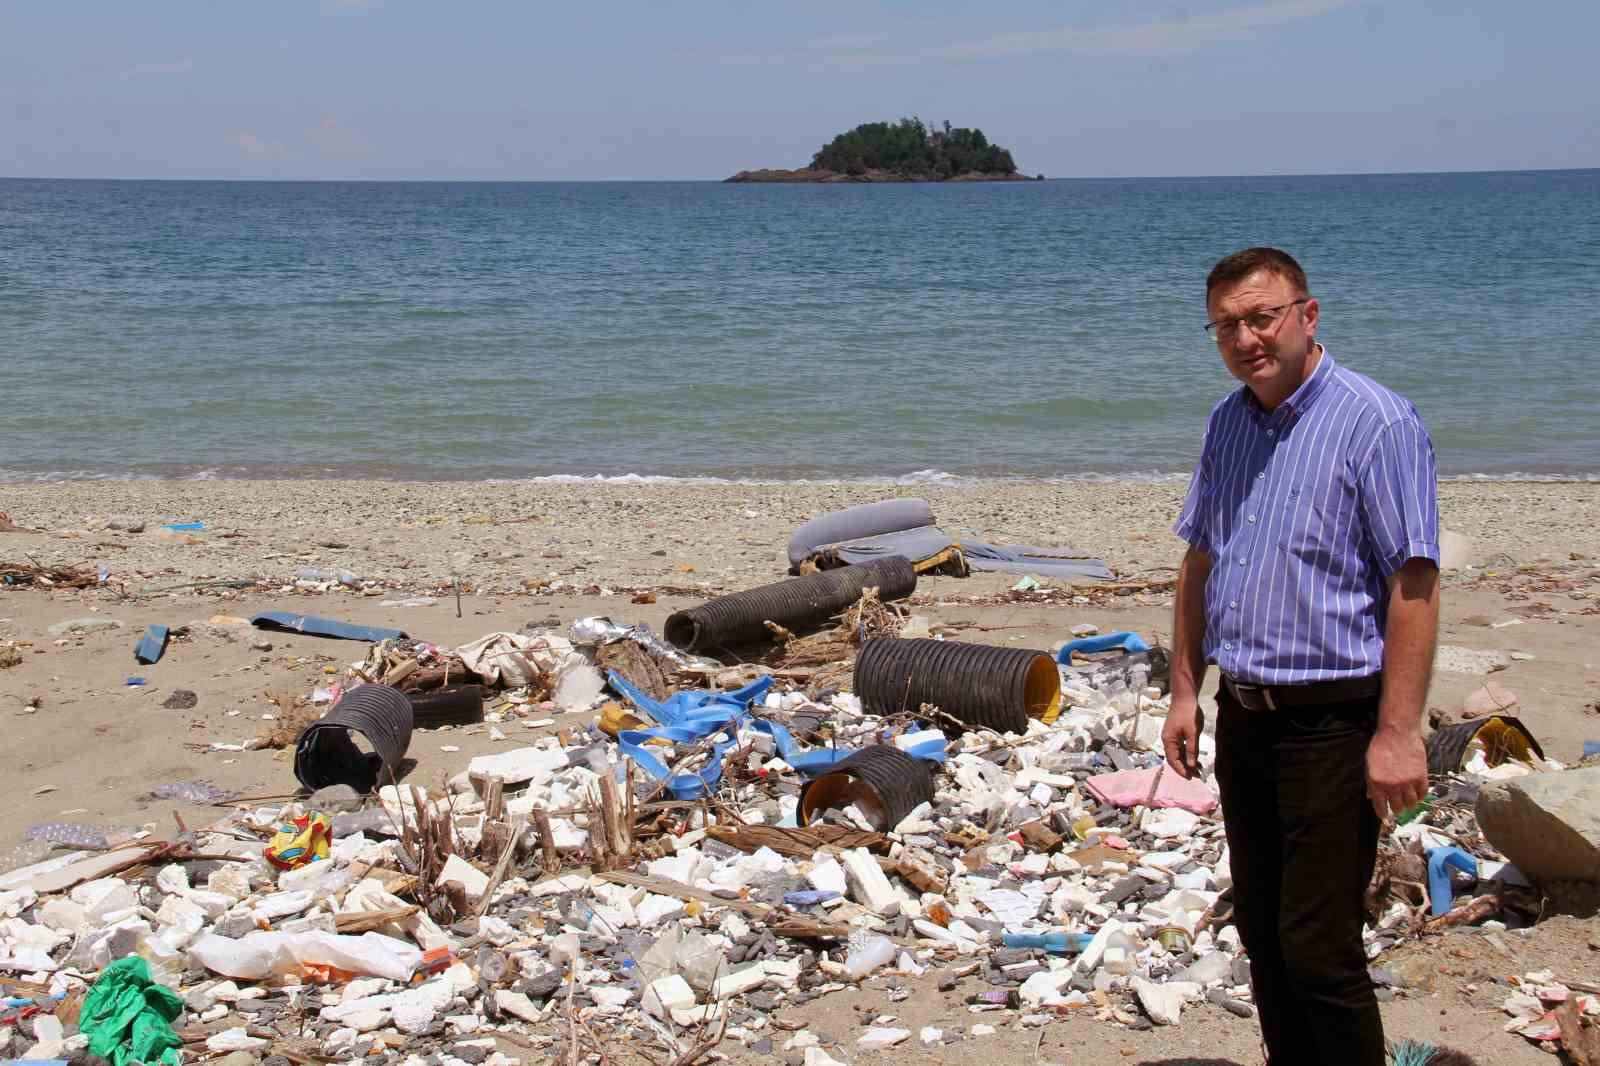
(882, 781)
(976, 684)
(1504, 737)
(799, 603)
(326, 754)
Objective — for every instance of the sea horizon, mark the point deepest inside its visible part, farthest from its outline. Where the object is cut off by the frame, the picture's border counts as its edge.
(723, 180)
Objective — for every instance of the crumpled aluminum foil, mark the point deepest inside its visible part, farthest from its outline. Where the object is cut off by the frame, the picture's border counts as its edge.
(598, 629)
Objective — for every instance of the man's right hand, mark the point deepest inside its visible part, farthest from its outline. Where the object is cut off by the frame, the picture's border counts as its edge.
(1180, 737)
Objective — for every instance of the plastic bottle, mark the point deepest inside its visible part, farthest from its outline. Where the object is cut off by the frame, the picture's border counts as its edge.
(869, 955)
(1055, 943)
(321, 576)
(697, 960)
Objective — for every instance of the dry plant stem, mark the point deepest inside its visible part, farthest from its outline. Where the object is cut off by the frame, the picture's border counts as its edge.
(502, 866)
(572, 1016)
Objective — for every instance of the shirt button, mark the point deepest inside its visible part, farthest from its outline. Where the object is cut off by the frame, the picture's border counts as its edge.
(1272, 433)
(1242, 560)
(1261, 476)
(1227, 647)
(1252, 518)
(1233, 603)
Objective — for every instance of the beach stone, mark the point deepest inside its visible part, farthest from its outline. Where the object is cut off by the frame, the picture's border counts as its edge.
(335, 798)
(236, 1058)
(125, 523)
(181, 699)
(1547, 825)
(1454, 659)
(90, 624)
(1491, 698)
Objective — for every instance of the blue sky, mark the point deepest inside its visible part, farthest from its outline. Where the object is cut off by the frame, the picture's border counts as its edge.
(471, 89)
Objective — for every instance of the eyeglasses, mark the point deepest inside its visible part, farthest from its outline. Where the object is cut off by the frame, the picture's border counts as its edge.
(1259, 322)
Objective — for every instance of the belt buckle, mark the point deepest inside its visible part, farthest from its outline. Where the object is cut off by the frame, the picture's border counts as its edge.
(1262, 690)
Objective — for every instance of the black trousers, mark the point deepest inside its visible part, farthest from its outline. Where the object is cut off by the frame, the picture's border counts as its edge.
(1302, 840)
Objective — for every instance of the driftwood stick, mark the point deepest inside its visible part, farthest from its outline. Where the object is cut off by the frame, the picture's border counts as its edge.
(547, 841)
(1466, 914)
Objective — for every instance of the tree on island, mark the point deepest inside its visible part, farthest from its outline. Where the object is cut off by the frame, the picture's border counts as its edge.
(910, 149)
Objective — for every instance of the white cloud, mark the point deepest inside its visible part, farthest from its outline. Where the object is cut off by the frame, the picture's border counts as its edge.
(847, 49)
(257, 148)
(1162, 36)
(334, 138)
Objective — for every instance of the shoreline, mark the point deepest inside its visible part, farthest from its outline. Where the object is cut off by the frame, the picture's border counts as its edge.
(913, 479)
(641, 533)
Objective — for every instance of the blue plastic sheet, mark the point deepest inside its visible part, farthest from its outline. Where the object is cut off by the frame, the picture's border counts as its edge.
(1105, 642)
(322, 627)
(697, 714)
(152, 646)
(1440, 862)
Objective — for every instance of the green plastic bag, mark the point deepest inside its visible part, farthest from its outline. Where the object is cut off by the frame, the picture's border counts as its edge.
(128, 1017)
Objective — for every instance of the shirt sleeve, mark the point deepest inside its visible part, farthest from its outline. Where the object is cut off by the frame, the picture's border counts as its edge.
(1192, 525)
(1399, 497)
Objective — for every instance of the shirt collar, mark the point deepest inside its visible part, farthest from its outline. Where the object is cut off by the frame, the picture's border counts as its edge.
(1301, 398)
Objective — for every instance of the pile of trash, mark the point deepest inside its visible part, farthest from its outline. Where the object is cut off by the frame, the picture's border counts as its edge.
(704, 846)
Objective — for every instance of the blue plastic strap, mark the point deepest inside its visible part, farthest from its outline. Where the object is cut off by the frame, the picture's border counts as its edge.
(1106, 642)
(691, 716)
(681, 706)
(1440, 862)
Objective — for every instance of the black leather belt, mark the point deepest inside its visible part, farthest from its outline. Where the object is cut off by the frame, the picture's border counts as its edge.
(1287, 697)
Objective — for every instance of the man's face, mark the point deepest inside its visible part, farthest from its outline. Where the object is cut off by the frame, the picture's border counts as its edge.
(1265, 335)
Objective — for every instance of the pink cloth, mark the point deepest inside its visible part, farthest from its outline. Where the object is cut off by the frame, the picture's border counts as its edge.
(1130, 788)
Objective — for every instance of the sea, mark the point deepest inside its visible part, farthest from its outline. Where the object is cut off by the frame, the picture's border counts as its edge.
(642, 331)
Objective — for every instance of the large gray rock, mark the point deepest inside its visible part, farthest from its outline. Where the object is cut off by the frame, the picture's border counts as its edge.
(1548, 825)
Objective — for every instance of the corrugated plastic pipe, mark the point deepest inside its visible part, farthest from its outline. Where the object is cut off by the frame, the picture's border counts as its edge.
(883, 782)
(978, 685)
(799, 603)
(326, 754)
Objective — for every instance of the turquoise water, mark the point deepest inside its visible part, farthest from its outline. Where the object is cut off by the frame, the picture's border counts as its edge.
(912, 332)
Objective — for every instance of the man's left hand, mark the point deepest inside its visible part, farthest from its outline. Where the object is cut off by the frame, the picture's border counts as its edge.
(1397, 771)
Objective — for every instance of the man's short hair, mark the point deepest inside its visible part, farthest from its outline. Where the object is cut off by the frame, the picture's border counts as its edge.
(1240, 265)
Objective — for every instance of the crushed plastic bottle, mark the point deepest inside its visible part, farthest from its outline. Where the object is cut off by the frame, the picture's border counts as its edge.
(315, 576)
(70, 834)
(867, 953)
(697, 961)
(25, 854)
(196, 792)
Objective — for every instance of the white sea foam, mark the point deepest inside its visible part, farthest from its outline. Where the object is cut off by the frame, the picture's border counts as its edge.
(914, 479)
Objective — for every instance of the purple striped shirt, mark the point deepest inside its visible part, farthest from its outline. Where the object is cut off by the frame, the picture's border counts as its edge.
(1305, 512)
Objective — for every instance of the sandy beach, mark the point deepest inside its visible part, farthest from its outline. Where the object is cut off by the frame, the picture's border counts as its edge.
(85, 746)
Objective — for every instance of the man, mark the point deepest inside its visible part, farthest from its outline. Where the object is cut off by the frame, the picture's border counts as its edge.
(1311, 581)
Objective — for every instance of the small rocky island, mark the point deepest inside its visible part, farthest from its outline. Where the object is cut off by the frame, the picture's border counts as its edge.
(907, 150)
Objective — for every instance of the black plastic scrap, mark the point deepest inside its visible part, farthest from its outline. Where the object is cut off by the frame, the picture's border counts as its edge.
(326, 754)
(798, 603)
(1503, 737)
